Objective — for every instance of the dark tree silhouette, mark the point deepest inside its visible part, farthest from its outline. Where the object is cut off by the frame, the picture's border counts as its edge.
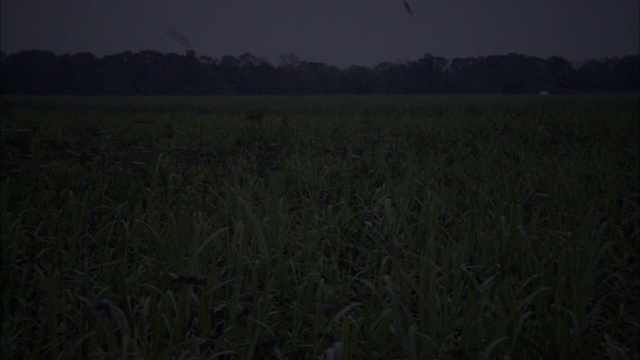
(560, 75)
(153, 73)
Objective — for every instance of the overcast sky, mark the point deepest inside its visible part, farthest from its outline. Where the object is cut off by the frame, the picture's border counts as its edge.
(337, 32)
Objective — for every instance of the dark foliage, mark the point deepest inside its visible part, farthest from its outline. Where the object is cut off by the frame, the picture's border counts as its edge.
(153, 73)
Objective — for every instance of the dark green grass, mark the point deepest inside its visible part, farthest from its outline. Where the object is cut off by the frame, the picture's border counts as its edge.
(321, 227)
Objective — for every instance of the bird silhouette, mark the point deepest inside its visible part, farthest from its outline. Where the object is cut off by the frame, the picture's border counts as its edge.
(176, 36)
(407, 7)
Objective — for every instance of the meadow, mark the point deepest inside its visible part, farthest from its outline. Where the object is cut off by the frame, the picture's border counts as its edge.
(347, 227)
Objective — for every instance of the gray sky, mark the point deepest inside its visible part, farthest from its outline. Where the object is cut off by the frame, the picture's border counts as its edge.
(337, 32)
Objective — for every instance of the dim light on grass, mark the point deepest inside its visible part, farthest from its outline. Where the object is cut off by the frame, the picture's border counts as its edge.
(367, 227)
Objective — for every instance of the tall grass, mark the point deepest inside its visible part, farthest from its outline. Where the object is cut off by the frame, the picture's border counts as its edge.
(338, 227)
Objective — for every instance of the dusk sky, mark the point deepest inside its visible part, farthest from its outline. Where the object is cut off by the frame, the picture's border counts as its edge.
(337, 32)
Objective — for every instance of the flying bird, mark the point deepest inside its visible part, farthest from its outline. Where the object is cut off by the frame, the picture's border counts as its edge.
(407, 7)
(176, 36)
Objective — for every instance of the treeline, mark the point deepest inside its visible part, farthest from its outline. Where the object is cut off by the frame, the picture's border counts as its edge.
(153, 73)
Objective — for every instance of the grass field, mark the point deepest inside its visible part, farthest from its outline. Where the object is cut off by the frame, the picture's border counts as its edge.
(321, 228)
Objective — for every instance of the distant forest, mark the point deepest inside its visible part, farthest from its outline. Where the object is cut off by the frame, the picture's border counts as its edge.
(152, 73)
